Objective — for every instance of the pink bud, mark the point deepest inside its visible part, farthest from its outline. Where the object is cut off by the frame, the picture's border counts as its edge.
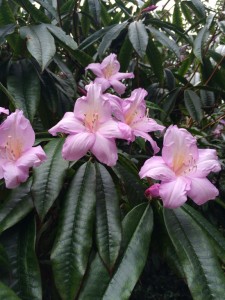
(153, 191)
(149, 8)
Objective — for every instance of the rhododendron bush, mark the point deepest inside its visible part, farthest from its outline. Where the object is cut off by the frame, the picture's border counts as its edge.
(111, 147)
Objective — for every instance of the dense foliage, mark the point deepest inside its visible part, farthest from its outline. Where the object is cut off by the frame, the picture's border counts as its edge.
(82, 229)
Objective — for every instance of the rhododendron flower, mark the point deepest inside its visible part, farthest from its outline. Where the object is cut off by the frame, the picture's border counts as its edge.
(108, 74)
(131, 112)
(90, 127)
(182, 169)
(16, 152)
(4, 111)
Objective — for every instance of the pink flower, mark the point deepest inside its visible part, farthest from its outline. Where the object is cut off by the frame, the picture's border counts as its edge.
(182, 169)
(4, 111)
(131, 112)
(16, 152)
(153, 191)
(108, 74)
(90, 127)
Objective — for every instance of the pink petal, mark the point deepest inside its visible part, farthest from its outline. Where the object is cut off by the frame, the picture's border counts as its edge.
(174, 193)
(4, 111)
(105, 150)
(110, 63)
(148, 138)
(126, 132)
(76, 146)
(206, 163)
(202, 190)
(105, 84)
(96, 69)
(179, 147)
(116, 106)
(110, 129)
(14, 175)
(31, 158)
(117, 85)
(153, 191)
(147, 125)
(156, 168)
(69, 124)
(120, 76)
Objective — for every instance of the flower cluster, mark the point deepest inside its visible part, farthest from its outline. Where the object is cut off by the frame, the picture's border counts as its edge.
(98, 119)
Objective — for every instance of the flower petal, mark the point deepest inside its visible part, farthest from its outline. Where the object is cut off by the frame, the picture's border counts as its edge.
(105, 84)
(148, 138)
(147, 125)
(202, 190)
(76, 146)
(4, 111)
(32, 157)
(105, 150)
(156, 168)
(206, 163)
(95, 68)
(120, 76)
(14, 175)
(117, 85)
(69, 124)
(174, 193)
(110, 129)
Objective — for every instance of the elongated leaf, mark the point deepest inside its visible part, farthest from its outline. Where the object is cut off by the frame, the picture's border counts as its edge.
(108, 224)
(137, 228)
(6, 30)
(95, 10)
(216, 238)
(24, 85)
(49, 8)
(222, 25)
(74, 238)
(83, 58)
(125, 54)
(105, 16)
(177, 16)
(200, 41)
(61, 35)
(16, 206)
(85, 21)
(193, 105)
(186, 11)
(164, 40)
(202, 270)
(48, 178)
(4, 260)
(170, 102)
(6, 293)
(155, 60)
(207, 98)
(111, 34)
(200, 8)
(8, 95)
(40, 43)
(138, 37)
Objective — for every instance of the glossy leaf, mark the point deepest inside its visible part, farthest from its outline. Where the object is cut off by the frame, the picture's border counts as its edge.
(49, 8)
(93, 38)
(203, 273)
(6, 293)
(193, 105)
(85, 20)
(6, 30)
(200, 41)
(24, 85)
(207, 98)
(40, 43)
(138, 37)
(49, 177)
(74, 238)
(164, 40)
(16, 206)
(110, 35)
(61, 35)
(125, 54)
(108, 223)
(199, 8)
(95, 10)
(155, 59)
(137, 229)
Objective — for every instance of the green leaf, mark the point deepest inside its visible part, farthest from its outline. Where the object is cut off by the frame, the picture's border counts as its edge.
(74, 238)
(61, 35)
(85, 21)
(200, 8)
(16, 206)
(24, 85)
(203, 273)
(4, 260)
(8, 95)
(36, 14)
(207, 98)
(6, 30)
(125, 55)
(108, 224)
(6, 293)
(177, 16)
(83, 58)
(94, 38)
(95, 10)
(200, 41)
(169, 103)
(49, 8)
(155, 60)
(137, 229)
(49, 177)
(105, 16)
(186, 11)
(222, 26)
(40, 43)
(193, 105)
(164, 40)
(138, 37)
(110, 35)
(216, 238)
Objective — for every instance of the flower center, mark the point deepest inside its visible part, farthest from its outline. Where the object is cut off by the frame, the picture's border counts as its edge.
(12, 149)
(183, 167)
(108, 71)
(91, 121)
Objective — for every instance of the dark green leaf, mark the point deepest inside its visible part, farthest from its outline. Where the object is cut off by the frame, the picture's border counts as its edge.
(40, 43)
(200, 8)
(200, 41)
(169, 103)
(6, 293)
(110, 35)
(95, 10)
(16, 206)
(6, 30)
(203, 273)
(207, 98)
(222, 26)
(61, 35)
(193, 105)
(49, 177)
(138, 37)
(85, 21)
(24, 85)
(177, 16)
(74, 238)
(4, 260)
(49, 8)
(108, 224)
(125, 54)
